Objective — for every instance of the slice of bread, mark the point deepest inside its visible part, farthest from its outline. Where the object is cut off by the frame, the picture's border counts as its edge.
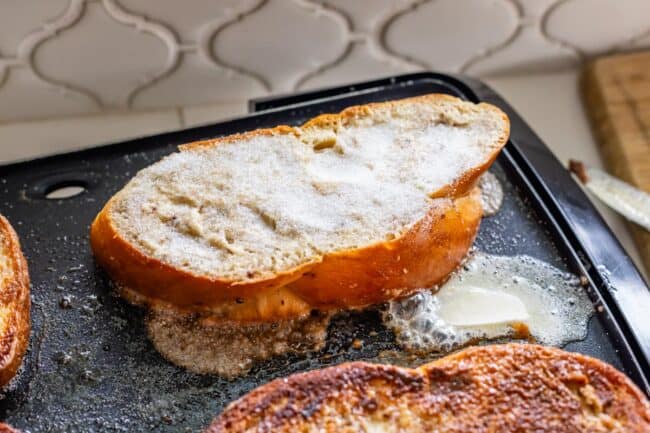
(14, 303)
(348, 210)
(497, 389)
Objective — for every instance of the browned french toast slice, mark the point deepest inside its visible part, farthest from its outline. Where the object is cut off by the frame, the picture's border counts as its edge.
(347, 210)
(14, 303)
(496, 389)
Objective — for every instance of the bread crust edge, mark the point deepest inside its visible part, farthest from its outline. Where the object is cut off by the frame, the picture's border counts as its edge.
(13, 344)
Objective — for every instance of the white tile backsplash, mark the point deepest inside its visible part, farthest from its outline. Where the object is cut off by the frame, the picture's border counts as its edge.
(101, 56)
(20, 18)
(197, 80)
(283, 43)
(443, 36)
(24, 95)
(358, 65)
(205, 114)
(31, 139)
(596, 26)
(190, 20)
(70, 57)
(528, 50)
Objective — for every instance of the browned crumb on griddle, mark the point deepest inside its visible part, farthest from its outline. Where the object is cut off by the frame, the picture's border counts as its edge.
(229, 349)
(521, 331)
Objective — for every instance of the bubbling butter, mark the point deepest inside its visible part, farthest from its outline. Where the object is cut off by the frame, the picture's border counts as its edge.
(493, 297)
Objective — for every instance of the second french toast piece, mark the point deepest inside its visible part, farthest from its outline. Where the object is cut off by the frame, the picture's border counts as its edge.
(497, 389)
(14, 303)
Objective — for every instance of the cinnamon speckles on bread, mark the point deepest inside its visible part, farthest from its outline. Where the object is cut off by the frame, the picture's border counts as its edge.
(274, 203)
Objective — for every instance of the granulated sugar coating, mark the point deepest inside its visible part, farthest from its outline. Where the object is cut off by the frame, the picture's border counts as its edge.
(264, 203)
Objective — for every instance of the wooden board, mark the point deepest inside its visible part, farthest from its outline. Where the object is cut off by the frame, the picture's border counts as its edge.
(616, 93)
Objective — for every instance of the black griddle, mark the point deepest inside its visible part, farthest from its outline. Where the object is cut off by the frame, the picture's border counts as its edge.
(90, 367)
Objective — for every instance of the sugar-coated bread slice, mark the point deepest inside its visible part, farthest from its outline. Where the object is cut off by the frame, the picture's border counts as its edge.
(348, 210)
(15, 323)
(497, 388)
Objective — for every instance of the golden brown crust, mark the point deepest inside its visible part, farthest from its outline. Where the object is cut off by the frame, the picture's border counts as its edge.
(14, 303)
(143, 276)
(497, 388)
(424, 255)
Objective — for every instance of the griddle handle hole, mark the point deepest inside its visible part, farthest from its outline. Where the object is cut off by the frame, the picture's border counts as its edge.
(65, 189)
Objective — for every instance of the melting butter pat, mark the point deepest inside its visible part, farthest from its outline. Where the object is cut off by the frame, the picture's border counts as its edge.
(484, 298)
(474, 306)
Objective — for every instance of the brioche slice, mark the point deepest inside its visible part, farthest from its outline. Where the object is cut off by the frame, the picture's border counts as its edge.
(348, 210)
(496, 389)
(14, 303)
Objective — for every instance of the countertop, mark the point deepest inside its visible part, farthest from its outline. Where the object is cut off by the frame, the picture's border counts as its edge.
(549, 102)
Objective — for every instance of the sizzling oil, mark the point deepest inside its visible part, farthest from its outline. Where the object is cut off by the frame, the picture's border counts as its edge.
(493, 297)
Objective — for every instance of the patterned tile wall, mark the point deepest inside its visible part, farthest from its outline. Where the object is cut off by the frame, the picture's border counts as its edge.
(65, 57)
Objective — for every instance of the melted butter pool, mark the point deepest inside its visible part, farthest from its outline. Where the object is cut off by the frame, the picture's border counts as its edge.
(493, 297)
